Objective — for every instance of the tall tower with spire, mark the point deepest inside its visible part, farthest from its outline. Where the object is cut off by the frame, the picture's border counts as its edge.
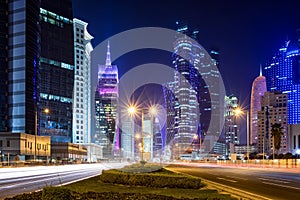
(259, 87)
(106, 99)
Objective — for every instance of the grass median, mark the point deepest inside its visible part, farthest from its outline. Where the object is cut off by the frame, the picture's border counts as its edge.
(104, 187)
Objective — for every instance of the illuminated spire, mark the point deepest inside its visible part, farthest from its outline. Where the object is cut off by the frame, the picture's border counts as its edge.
(108, 61)
(260, 70)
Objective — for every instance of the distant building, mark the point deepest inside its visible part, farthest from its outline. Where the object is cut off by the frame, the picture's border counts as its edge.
(273, 110)
(106, 98)
(231, 126)
(172, 113)
(67, 152)
(82, 83)
(259, 88)
(283, 74)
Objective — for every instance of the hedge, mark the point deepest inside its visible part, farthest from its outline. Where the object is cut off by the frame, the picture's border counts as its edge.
(104, 195)
(158, 180)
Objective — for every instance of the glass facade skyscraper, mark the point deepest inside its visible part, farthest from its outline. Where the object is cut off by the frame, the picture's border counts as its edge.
(187, 81)
(56, 69)
(282, 73)
(3, 66)
(21, 72)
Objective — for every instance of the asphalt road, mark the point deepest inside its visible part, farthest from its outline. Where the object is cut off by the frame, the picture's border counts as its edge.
(268, 183)
(28, 179)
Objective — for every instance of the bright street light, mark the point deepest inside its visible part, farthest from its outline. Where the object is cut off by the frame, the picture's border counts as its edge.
(131, 110)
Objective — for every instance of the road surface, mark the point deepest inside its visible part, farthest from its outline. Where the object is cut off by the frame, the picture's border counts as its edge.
(270, 184)
(27, 179)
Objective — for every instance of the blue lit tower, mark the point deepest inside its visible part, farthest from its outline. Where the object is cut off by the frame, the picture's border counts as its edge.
(3, 65)
(106, 99)
(19, 59)
(282, 73)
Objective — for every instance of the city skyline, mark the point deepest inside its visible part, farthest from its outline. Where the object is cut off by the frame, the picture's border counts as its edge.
(242, 50)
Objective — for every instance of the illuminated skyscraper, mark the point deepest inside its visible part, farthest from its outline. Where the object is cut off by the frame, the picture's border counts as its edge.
(82, 83)
(283, 74)
(56, 69)
(106, 98)
(186, 89)
(232, 129)
(3, 65)
(259, 88)
(20, 40)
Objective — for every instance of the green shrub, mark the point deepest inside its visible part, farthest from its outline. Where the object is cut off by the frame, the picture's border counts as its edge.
(159, 180)
(27, 196)
(56, 193)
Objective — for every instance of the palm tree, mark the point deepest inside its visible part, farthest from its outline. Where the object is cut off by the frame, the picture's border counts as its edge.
(276, 133)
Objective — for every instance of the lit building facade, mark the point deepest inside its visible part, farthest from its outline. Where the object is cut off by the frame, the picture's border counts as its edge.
(82, 83)
(187, 81)
(106, 98)
(56, 69)
(259, 88)
(3, 65)
(283, 74)
(172, 115)
(232, 129)
(20, 38)
(273, 110)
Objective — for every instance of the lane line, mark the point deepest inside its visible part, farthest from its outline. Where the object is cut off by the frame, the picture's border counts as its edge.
(284, 179)
(274, 180)
(225, 179)
(286, 186)
(235, 192)
(245, 179)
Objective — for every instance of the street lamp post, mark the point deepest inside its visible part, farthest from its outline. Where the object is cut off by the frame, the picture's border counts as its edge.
(35, 133)
(46, 110)
(238, 112)
(153, 111)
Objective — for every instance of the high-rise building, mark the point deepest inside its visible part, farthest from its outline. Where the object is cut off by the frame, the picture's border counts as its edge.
(259, 88)
(172, 114)
(19, 65)
(283, 74)
(273, 110)
(3, 66)
(106, 98)
(82, 83)
(186, 60)
(56, 69)
(232, 132)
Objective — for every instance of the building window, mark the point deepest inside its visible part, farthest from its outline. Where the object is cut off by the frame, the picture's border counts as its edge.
(8, 143)
(1, 143)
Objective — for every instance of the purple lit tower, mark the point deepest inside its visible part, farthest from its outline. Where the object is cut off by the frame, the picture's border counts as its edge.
(259, 87)
(106, 99)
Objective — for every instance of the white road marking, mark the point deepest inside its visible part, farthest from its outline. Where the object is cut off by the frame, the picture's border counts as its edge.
(237, 178)
(225, 179)
(273, 180)
(286, 186)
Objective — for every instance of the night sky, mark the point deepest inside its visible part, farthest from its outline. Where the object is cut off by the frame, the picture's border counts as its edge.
(247, 33)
